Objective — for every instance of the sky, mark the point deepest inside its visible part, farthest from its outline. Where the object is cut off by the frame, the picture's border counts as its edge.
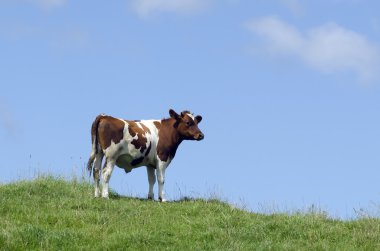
(288, 91)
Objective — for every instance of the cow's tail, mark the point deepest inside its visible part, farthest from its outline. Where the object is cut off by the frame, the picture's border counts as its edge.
(95, 142)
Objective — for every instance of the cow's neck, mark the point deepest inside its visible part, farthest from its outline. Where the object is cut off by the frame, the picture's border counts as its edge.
(169, 139)
(171, 135)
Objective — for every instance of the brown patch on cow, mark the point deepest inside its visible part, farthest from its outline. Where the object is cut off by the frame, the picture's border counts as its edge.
(134, 129)
(157, 124)
(110, 130)
(94, 137)
(168, 139)
(137, 161)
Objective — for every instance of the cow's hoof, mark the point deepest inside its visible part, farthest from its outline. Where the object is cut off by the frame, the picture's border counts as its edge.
(150, 197)
(162, 200)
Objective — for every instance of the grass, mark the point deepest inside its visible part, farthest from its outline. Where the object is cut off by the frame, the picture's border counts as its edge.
(53, 214)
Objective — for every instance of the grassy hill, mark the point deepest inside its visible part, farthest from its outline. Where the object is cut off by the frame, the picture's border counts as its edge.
(54, 214)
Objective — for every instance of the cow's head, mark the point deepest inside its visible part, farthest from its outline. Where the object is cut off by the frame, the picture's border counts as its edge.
(187, 125)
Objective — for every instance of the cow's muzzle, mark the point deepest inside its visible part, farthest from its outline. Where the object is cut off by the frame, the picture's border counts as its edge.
(200, 136)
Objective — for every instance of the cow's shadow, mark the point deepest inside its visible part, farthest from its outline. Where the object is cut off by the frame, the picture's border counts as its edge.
(116, 196)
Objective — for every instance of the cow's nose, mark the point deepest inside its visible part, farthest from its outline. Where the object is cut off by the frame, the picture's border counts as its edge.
(201, 136)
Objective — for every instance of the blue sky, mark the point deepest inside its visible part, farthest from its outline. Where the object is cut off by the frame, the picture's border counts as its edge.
(288, 90)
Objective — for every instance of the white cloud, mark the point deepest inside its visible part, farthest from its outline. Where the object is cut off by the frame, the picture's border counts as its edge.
(145, 8)
(329, 48)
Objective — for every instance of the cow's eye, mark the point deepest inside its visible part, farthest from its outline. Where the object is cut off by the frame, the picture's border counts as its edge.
(188, 123)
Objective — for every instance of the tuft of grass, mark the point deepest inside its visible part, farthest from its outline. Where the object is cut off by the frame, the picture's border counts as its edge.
(54, 214)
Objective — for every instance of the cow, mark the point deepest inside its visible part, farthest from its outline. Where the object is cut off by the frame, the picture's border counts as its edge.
(129, 144)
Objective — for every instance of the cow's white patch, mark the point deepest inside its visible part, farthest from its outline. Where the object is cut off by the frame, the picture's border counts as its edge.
(151, 180)
(106, 175)
(160, 173)
(152, 138)
(191, 116)
(132, 150)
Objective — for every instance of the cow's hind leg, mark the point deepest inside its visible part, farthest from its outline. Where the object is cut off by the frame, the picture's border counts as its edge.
(97, 167)
(151, 180)
(106, 175)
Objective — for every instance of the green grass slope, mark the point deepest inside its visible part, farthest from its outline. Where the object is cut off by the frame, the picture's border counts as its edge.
(53, 214)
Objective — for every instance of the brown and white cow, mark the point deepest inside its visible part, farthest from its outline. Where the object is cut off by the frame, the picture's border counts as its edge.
(130, 144)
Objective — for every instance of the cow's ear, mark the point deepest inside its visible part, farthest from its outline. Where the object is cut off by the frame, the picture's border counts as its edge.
(173, 114)
(198, 118)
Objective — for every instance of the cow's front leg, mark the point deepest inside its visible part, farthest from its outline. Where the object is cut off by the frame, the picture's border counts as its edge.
(160, 172)
(106, 175)
(151, 180)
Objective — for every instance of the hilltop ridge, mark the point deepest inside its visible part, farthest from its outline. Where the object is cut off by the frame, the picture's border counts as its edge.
(51, 213)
